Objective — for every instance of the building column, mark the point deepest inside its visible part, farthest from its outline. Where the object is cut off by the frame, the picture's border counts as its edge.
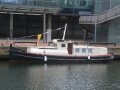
(49, 29)
(11, 26)
(44, 27)
(95, 32)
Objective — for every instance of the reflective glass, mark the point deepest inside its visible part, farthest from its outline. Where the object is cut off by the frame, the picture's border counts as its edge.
(67, 6)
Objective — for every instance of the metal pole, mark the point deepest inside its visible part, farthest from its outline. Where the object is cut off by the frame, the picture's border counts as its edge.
(44, 27)
(64, 32)
(11, 26)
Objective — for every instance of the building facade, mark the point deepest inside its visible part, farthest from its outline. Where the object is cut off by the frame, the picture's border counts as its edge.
(21, 18)
(108, 31)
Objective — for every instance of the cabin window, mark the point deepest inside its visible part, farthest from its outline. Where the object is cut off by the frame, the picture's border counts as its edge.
(83, 50)
(63, 45)
(89, 50)
(77, 50)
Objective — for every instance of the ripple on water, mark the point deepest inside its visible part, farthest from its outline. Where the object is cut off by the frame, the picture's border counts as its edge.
(26, 76)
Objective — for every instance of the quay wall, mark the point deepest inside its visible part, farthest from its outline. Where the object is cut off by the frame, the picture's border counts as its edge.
(4, 52)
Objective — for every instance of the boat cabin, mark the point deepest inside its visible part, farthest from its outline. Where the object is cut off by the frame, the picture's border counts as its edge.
(80, 49)
(69, 48)
(89, 50)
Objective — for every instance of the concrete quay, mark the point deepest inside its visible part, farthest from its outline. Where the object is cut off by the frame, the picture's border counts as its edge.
(5, 44)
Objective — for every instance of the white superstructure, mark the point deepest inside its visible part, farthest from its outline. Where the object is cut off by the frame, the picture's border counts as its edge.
(61, 48)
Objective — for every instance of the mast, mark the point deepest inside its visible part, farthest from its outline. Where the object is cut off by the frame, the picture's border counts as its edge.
(64, 32)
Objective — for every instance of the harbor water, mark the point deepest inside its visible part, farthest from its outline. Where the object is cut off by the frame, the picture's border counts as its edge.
(65, 76)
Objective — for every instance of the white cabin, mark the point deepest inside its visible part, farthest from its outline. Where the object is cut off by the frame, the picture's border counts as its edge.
(68, 48)
(89, 50)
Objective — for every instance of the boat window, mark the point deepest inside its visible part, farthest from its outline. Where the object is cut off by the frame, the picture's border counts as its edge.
(83, 50)
(63, 45)
(77, 50)
(89, 50)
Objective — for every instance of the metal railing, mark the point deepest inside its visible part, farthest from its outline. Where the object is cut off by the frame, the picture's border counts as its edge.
(105, 16)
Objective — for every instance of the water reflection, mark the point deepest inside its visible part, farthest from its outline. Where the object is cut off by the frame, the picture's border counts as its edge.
(72, 77)
(28, 76)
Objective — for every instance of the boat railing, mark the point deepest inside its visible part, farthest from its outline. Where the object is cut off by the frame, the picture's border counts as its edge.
(102, 43)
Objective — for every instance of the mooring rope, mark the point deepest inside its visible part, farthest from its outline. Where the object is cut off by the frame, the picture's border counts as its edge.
(41, 33)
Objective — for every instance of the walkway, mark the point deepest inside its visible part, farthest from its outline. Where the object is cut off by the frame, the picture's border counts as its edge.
(32, 42)
(21, 43)
(105, 16)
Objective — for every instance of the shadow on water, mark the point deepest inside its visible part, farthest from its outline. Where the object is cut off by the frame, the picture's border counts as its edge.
(59, 62)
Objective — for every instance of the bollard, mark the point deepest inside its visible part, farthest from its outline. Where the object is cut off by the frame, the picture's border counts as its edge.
(8, 41)
(2, 44)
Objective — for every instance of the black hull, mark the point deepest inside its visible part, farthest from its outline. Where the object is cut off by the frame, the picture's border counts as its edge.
(18, 54)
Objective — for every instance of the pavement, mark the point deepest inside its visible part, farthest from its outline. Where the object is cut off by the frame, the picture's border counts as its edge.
(32, 42)
(20, 43)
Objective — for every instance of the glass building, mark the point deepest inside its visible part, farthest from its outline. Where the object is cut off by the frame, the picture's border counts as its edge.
(108, 29)
(20, 18)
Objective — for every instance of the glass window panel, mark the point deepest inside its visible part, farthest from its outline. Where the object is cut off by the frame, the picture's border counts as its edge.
(77, 50)
(89, 50)
(83, 50)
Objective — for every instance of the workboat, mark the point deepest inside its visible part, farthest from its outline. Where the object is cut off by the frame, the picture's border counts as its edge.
(61, 50)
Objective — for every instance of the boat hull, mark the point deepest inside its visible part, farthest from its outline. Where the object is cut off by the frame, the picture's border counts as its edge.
(18, 54)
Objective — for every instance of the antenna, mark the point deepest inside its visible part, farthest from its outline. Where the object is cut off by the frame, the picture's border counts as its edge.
(64, 32)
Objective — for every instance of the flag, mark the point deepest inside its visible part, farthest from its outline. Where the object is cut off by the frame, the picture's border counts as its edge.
(38, 39)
